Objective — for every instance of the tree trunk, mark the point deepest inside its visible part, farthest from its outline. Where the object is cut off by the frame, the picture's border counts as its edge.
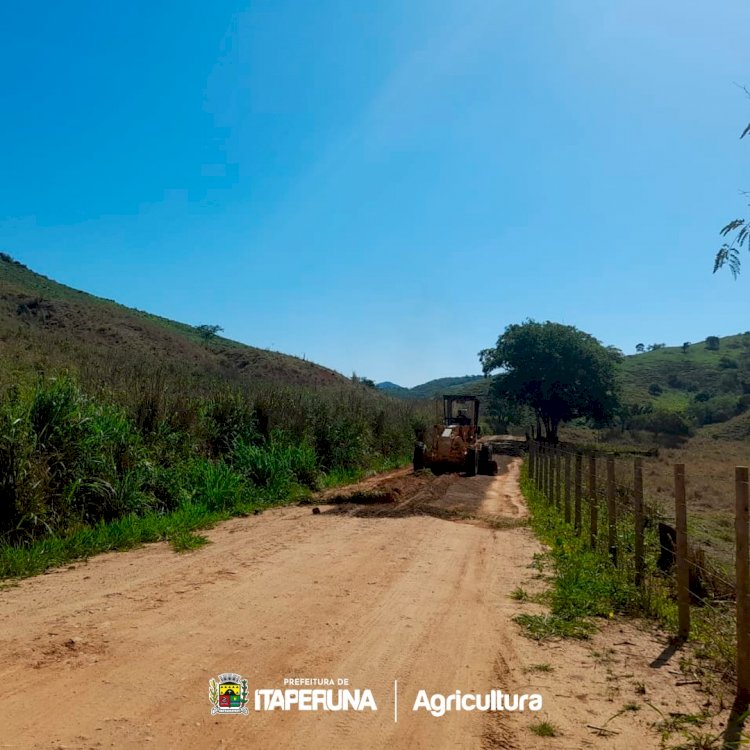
(552, 432)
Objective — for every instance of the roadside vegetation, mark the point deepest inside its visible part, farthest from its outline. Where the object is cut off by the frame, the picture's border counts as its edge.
(584, 583)
(118, 427)
(82, 472)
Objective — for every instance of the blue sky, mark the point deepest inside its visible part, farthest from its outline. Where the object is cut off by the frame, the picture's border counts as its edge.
(382, 186)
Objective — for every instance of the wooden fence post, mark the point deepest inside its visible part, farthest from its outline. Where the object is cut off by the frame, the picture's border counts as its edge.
(638, 511)
(530, 461)
(542, 469)
(557, 487)
(611, 510)
(567, 487)
(539, 465)
(550, 473)
(577, 493)
(593, 503)
(681, 550)
(538, 472)
(742, 563)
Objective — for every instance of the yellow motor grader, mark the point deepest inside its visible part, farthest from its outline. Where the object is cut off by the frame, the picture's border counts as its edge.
(454, 445)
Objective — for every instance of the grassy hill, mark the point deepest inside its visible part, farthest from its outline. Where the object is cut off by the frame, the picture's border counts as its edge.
(706, 385)
(46, 326)
(689, 370)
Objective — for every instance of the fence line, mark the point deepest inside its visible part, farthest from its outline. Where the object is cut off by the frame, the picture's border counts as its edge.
(558, 473)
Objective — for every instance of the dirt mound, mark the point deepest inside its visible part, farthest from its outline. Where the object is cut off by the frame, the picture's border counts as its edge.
(393, 487)
(480, 500)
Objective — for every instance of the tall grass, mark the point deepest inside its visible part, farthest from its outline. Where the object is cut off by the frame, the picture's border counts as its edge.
(82, 472)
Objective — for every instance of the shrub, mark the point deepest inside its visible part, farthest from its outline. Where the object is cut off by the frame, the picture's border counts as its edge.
(228, 418)
(662, 421)
(303, 464)
(216, 486)
(716, 409)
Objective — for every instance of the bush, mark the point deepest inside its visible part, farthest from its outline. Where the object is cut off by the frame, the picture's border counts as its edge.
(228, 418)
(655, 389)
(276, 466)
(216, 486)
(661, 421)
(716, 409)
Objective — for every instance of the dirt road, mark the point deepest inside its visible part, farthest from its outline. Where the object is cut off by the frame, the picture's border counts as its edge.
(118, 651)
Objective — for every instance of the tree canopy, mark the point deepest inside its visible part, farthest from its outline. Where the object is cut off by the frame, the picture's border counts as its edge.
(558, 371)
(208, 331)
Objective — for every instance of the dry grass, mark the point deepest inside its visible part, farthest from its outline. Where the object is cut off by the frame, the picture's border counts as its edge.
(709, 469)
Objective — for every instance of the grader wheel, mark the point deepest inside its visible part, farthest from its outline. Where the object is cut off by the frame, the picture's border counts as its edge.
(471, 462)
(418, 460)
(486, 465)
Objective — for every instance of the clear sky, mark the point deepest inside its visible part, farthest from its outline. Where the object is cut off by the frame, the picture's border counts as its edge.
(382, 186)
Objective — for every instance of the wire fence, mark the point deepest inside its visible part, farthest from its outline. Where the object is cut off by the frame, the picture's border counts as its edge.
(602, 499)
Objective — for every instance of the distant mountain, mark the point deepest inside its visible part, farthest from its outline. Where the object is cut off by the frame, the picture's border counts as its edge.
(388, 386)
(433, 388)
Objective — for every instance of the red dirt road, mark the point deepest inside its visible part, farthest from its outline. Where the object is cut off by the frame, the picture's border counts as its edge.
(117, 652)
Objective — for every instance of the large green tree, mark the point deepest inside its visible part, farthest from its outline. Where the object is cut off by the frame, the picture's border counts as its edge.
(561, 373)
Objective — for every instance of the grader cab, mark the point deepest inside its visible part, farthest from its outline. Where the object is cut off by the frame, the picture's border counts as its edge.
(453, 444)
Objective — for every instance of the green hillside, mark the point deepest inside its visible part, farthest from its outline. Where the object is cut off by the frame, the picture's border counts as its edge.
(708, 385)
(46, 326)
(693, 369)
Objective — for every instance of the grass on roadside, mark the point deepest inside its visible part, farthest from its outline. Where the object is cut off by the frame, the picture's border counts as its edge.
(542, 667)
(122, 534)
(584, 585)
(186, 541)
(544, 729)
(208, 505)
